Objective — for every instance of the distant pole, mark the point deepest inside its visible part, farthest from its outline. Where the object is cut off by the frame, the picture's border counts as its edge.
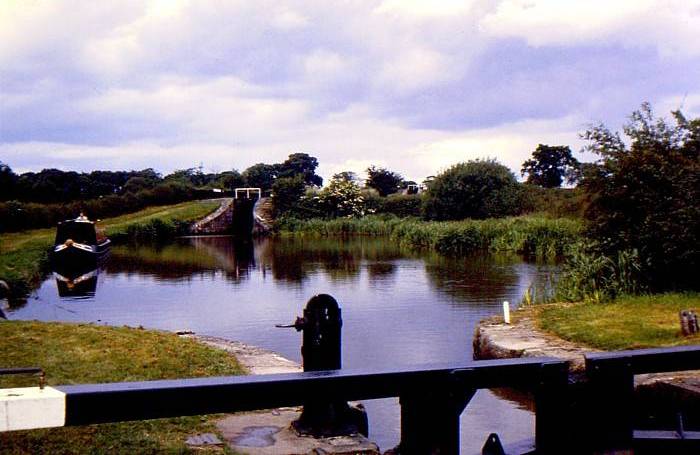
(506, 312)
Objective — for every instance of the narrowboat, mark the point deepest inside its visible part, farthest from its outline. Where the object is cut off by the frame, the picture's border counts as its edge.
(79, 245)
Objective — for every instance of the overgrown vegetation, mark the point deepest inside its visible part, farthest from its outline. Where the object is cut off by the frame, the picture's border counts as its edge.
(590, 276)
(84, 353)
(627, 323)
(643, 218)
(536, 236)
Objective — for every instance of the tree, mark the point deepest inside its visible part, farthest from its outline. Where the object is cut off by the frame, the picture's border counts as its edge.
(230, 180)
(136, 184)
(342, 198)
(8, 182)
(383, 180)
(260, 175)
(347, 176)
(301, 164)
(645, 196)
(475, 189)
(550, 165)
(287, 191)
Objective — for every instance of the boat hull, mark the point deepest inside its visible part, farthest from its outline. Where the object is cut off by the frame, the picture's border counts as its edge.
(76, 257)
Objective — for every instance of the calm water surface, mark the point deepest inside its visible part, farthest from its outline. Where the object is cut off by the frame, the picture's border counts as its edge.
(400, 307)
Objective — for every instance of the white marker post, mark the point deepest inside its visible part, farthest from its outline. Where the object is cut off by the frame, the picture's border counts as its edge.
(506, 312)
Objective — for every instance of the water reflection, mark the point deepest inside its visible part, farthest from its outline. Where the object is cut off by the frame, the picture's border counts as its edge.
(478, 278)
(294, 259)
(76, 285)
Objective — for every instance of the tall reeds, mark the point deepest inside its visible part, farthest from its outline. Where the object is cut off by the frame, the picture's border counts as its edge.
(533, 236)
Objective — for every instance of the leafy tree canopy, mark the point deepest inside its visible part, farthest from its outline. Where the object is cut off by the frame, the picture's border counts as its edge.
(383, 180)
(287, 192)
(475, 189)
(230, 180)
(550, 165)
(301, 164)
(8, 182)
(260, 175)
(347, 176)
(645, 196)
(342, 198)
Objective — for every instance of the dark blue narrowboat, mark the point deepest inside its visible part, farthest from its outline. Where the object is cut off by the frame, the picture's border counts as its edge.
(79, 245)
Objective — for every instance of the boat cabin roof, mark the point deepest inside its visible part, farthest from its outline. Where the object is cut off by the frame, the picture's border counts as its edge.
(80, 230)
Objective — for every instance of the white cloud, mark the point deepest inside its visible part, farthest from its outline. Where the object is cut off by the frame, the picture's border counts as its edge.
(323, 65)
(422, 8)
(416, 69)
(351, 140)
(671, 26)
(287, 19)
(510, 144)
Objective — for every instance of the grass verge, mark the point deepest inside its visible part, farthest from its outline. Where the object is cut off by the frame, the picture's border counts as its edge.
(629, 322)
(24, 256)
(530, 235)
(85, 353)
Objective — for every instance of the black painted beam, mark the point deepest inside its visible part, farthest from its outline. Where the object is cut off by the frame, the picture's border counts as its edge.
(656, 360)
(113, 402)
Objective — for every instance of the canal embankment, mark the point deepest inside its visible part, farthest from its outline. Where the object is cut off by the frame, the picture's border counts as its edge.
(570, 331)
(72, 353)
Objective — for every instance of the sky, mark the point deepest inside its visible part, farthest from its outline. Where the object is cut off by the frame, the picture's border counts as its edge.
(413, 86)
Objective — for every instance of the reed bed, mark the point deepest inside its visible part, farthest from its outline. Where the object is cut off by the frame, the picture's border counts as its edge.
(530, 235)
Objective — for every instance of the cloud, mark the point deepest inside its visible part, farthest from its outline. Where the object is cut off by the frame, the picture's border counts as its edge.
(351, 140)
(669, 26)
(409, 85)
(420, 8)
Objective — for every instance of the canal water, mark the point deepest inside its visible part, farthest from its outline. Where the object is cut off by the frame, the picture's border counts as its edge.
(399, 307)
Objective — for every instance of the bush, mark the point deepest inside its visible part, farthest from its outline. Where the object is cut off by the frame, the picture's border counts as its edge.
(644, 197)
(342, 198)
(401, 205)
(554, 202)
(475, 189)
(287, 193)
(590, 276)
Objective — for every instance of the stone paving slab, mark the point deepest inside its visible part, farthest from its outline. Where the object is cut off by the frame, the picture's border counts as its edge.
(494, 339)
(269, 432)
(254, 359)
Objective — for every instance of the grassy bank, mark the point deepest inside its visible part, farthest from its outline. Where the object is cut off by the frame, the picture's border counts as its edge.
(531, 235)
(626, 323)
(84, 353)
(24, 255)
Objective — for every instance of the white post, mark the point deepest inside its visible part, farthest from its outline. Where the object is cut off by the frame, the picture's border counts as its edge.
(506, 312)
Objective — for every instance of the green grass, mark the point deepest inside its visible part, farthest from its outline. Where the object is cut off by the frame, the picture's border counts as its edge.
(24, 256)
(627, 323)
(85, 353)
(531, 235)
